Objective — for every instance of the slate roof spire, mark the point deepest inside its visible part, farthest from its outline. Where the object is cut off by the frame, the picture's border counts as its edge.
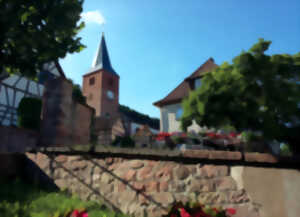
(102, 60)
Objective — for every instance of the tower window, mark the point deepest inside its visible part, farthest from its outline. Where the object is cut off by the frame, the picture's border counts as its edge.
(92, 81)
(111, 82)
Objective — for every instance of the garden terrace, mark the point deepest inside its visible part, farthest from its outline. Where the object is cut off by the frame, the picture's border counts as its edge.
(140, 181)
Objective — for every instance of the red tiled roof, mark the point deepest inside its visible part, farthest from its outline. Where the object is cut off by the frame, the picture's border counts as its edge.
(182, 90)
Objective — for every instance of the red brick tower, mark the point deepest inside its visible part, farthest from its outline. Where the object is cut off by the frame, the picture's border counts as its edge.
(101, 85)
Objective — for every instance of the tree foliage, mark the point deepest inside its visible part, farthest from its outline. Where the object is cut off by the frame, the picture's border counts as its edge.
(139, 117)
(256, 92)
(77, 94)
(37, 32)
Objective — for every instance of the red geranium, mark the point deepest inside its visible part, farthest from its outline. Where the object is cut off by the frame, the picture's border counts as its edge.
(184, 213)
(77, 213)
(162, 136)
(198, 210)
(230, 211)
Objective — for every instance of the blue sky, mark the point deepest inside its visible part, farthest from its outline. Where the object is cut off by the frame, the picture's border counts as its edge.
(155, 44)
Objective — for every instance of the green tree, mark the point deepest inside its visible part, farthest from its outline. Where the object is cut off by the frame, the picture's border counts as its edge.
(37, 32)
(256, 92)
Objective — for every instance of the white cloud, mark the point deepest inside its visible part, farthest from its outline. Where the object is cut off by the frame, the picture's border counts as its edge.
(93, 17)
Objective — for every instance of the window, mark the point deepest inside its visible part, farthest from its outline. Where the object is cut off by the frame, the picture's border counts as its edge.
(197, 83)
(179, 113)
(111, 82)
(92, 81)
(110, 94)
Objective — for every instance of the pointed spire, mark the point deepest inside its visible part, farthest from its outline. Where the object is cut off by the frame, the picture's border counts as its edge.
(102, 60)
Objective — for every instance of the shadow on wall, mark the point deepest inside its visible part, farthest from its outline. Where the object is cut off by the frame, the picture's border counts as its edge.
(33, 170)
(33, 174)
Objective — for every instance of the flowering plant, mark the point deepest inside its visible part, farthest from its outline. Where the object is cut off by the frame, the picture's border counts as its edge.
(198, 210)
(162, 136)
(77, 213)
(222, 136)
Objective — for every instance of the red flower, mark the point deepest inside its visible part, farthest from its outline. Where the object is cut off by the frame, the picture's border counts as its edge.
(216, 210)
(230, 211)
(200, 213)
(211, 135)
(84, 214)
(184, 213)
(233, 134)
(76, 213)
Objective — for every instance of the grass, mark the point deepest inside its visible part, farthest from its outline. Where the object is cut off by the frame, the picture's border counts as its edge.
(19, 199)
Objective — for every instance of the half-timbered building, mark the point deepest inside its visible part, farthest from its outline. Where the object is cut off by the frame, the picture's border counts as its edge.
(14, 87)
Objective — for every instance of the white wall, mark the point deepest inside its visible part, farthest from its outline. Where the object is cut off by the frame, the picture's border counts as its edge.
(168, 122)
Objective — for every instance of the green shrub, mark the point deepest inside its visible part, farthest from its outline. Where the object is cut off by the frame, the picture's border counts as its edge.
(18, 199)
(125, 141)
(285, 150)
(13, 209)
(178, 140)
(29, 113)
(248, 136)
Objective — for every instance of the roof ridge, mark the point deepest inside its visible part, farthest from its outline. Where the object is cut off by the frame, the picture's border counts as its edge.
(177, 94)
(194, 74)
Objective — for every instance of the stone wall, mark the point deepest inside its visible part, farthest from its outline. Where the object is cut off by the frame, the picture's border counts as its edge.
(17, 140)
(64, 122)
(148, 182)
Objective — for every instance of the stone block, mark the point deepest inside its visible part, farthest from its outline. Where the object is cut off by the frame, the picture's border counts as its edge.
(210, 171)
(165, 173)
(181, 172)
(121, 187)
(152, 186)
(77, 165)
(107, 189)
(182, 197)
(144, 199)
(130, 175)
(136, 164)
(109, 161)
(177, 186)
(261, 158)
(145, 173)
(213, 198)
(239, 196)
(126, 198)
(61, 183)
(139, 186)
(201, 186)
(163, 186)
(61, 158)
(204, 154)
(106, 178)
(226, 183)
(164, 198)
(225, 155)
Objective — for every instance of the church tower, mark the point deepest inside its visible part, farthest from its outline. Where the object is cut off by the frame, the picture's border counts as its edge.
(101, 85)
